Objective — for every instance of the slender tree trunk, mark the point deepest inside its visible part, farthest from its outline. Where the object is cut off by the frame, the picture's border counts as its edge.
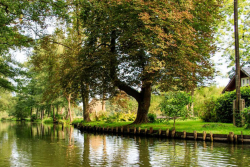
(57, 109)
(31, 112)
(42, 114)
(69, 108)
(37, 113)
(53, 109)
(174, 122)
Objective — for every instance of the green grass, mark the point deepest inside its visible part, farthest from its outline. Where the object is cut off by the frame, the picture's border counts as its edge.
(186, 125)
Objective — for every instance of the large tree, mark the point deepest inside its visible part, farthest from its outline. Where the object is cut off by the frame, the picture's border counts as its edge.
(143, 43)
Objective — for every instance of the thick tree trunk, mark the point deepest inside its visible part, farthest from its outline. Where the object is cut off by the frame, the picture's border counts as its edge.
(143, 105)
(85, 101)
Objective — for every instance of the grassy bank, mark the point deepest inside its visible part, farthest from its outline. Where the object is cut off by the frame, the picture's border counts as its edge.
(186, 125)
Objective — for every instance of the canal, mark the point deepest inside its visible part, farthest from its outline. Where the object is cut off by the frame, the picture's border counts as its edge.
(27, 144)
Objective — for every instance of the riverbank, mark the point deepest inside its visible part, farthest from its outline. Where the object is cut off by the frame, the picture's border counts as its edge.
(168, 133)
(187, 125)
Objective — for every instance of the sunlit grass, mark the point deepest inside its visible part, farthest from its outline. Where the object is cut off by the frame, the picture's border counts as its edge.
(181, 125)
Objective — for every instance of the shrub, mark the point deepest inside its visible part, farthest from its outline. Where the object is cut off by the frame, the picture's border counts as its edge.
(221, 109)
(33, 117)
(208, 113)
(151, 117)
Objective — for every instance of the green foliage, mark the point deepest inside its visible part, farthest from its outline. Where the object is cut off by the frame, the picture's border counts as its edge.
(152, 117)
(246, 116)
(174, 104)
(221, 109)
(208, 112)
(202, 96)
(33, 117)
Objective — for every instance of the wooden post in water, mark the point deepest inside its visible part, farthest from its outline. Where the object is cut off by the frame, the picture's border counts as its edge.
(139, 130)
(128, 130)
(184, 134)
(195, 135)
(167, 132)
(211, 137)
(146, 131)
(134, 130)
(173, 133)
(235, 138)
(122, 129)
(204, 135)
(159, 132)
(231, 137)
(151, 130)
(116, 129)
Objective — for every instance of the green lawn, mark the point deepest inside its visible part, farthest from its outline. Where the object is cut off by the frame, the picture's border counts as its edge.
(186, 125)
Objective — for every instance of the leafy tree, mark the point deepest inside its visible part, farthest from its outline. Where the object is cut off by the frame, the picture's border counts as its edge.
(226, 32)
(143, 43)
(174, 104)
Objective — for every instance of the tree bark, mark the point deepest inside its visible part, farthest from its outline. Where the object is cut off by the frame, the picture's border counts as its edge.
(31, 112)
(143, 105)
(53, 109)
(69, 109)
(85, 101)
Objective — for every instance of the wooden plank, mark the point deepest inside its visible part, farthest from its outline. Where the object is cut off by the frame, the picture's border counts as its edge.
(220, 135)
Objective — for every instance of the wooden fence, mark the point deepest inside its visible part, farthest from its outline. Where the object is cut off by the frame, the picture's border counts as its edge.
(231, 137)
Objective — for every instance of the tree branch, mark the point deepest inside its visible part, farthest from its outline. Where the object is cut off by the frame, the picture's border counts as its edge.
(130, 91)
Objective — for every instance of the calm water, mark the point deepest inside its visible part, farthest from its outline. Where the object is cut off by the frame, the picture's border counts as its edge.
(25, 144)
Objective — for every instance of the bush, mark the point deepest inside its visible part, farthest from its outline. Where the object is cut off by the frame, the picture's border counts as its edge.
(33, 117)
(246, 115)
(208, 113)
(221, 109)
(151, 117)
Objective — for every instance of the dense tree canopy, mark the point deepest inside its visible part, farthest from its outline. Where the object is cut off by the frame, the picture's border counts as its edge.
(104, 45)
(143, 43)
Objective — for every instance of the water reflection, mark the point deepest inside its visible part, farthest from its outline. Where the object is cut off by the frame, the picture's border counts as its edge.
(24, 144)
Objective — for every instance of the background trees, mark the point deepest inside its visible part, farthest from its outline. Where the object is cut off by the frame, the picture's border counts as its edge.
(100, 46)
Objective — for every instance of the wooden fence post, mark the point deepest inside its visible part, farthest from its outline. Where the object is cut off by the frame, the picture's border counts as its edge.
(128, 130)
(151, 130)
(231, 137)
(134, 130)
(167, 132)
(122, 129)
(146, 131)
(211, 136)
(139, 130)
(195, 135)
(116, 129)
(159, 132)
(242, 137)
(173, 133)
(184, 134)
(204, 135)
(236, 138)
